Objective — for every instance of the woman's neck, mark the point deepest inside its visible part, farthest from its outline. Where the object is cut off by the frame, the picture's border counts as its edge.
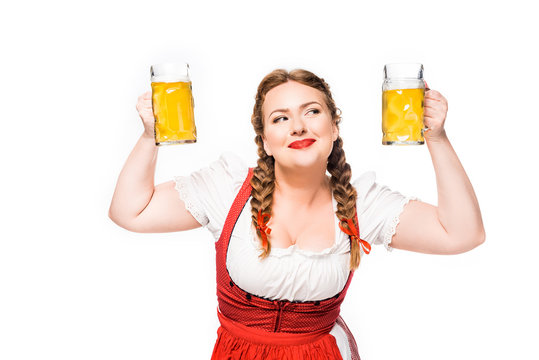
(301, 186)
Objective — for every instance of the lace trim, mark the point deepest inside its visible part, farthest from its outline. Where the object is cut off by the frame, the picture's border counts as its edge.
(191, 203)
(394, 222)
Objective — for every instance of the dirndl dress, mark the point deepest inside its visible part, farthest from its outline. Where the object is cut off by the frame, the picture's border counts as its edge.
(254, 327)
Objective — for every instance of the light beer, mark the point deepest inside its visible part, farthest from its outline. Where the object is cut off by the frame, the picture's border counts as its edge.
(173, 105)
(402, 116)
(403, 95)
(173, 112)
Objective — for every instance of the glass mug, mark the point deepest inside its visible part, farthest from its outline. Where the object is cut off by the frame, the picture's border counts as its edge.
(173, 104)
(403, 93)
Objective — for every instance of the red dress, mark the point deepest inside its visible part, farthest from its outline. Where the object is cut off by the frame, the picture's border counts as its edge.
(255, 328)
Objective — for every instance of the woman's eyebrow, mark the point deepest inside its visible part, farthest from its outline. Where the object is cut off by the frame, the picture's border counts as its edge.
(301, 107)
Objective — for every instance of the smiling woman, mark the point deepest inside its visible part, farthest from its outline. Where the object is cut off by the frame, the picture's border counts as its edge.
(298, 138)
(288, 236)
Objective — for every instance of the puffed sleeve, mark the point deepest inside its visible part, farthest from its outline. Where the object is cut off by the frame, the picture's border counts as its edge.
(378, 209)
(209, 192)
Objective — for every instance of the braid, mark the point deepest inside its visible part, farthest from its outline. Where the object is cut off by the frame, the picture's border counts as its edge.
(345, 194)
(263, 184)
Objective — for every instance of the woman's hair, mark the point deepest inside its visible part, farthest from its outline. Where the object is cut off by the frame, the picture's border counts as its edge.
(263, 180)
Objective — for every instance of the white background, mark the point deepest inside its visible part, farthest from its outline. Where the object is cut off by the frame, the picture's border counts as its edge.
(73, 285)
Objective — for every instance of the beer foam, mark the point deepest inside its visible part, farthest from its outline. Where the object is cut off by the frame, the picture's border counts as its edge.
(170, 72)
(404, 84)
(171, 78)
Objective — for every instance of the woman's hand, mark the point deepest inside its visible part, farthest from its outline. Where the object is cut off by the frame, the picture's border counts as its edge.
(434, 115)
(145, 111)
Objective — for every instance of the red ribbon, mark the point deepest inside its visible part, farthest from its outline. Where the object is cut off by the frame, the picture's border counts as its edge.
(353, 232)
(264, 229)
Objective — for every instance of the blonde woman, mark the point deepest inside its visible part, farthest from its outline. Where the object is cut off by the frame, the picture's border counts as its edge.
(288, 236)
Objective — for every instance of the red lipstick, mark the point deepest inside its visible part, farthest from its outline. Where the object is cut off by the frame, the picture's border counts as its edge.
(300, 144)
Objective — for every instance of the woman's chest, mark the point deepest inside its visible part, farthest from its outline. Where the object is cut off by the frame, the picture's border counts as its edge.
(289, 273)
(312, 230)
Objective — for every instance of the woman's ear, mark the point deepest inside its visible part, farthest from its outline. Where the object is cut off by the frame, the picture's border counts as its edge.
(335, 132)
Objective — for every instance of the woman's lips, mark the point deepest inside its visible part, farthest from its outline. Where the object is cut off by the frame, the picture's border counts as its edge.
(300, 144)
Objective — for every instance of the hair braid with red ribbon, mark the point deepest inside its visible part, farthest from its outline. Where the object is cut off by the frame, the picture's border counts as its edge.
(354, 234)
(263, 228)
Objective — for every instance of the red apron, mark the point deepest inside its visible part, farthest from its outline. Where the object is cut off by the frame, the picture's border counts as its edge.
(253, 327)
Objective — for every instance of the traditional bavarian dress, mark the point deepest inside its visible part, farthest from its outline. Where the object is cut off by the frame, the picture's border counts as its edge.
(287, 305)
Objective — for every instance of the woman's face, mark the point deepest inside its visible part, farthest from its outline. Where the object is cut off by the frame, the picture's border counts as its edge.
(298, 129)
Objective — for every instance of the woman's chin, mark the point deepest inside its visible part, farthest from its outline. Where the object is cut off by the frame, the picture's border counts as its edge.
(304, 161)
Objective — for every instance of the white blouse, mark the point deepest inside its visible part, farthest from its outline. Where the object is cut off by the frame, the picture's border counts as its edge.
(287, 273)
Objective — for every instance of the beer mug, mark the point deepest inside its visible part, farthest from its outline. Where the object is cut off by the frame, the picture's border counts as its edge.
(172, 102)
(403, 93)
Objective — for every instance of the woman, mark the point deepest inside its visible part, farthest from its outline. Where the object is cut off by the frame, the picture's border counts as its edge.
(283, 275)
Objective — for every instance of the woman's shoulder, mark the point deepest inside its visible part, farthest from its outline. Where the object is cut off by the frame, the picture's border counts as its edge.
(209, 192)
(232, 164)
(226, 173)
(230, 170)
(378, 208)
(365, 182)
(231, 158)
(372, 193)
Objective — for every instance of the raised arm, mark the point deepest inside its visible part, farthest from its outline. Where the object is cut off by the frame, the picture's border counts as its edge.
(137, 205)
(455, 225)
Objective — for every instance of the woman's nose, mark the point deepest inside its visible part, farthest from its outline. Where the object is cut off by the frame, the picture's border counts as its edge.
(297, 126)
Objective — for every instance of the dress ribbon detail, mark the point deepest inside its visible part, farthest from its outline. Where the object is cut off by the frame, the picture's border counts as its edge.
(353, 232)
(264, 229)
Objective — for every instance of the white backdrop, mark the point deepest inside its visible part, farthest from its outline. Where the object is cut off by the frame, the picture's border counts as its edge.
(76, 286)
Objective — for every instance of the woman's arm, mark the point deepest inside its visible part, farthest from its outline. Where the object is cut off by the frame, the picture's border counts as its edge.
(455, 225)
(137, 205)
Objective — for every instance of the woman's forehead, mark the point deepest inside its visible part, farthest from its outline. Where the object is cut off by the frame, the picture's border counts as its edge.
(290, 95)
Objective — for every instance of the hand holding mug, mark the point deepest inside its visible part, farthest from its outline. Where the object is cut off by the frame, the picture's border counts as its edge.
(145, 111)
(435, 113)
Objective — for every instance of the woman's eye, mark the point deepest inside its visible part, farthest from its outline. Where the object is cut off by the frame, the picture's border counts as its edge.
(279, 118)
(314, 111)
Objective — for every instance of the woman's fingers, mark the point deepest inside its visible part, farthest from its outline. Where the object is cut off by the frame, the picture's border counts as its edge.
(434, 113)
(145, 111)
(435, 95)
